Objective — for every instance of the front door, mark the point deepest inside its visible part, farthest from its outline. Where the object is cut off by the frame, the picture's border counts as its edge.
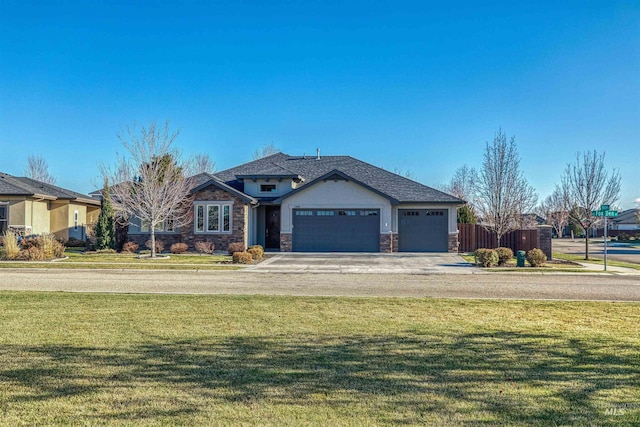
(272, 227)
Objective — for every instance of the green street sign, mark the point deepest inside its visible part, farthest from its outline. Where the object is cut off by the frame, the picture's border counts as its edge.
(610, 214)
(604, 207)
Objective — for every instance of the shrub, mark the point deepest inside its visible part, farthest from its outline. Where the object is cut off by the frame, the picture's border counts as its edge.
(504, 255)
(106, 251)
(256, 251)
(486, 257)
(11, 246)
(536, 257)
(242, 258)
(179, 248)
(75, 243)
(32, 253)
(159, 245)
(205, 247)
(235, 247)
(49, 246)
(130, 247)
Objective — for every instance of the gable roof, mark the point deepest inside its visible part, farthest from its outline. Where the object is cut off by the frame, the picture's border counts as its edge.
(630, 216)
(204, 180)
(338, 175)
(310, 169)
(23, 186)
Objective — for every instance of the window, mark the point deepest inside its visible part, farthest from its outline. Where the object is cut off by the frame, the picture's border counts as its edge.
(213, 217)
(368, 213)
(166, 226)
(267, 188)
(75, 220)
(304, 213)
(325, 213)
(200, 218)
(346, 213)
(4, 216)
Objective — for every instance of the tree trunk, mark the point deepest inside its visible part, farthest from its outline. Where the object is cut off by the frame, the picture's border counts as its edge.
(153, 242)
(586, 246)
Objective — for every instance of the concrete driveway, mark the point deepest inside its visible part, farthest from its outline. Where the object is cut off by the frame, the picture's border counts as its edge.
(379, 263)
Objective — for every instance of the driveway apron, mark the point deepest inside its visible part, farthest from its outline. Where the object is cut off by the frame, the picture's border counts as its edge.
(382, 263)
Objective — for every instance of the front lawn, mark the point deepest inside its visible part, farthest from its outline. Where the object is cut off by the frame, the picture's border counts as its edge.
(92, 359)
(580, 258)
(76, 259)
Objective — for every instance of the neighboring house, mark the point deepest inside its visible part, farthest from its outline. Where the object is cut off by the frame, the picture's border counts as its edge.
(34, 207)
(316, 204)
(625, 221)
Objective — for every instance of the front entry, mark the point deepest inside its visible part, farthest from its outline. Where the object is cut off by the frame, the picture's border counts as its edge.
(272, 227)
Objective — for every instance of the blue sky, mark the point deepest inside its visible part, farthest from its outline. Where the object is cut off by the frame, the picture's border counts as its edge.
(418, 86)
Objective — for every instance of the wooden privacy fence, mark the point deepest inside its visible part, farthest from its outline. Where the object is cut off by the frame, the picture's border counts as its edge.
(474, 236)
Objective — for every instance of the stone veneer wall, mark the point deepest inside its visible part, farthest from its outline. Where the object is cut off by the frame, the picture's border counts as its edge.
(286, 244)
(388, 243)
(453, 242)
(239, 221)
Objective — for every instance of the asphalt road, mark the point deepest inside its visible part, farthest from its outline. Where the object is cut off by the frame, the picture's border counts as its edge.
(615, 251)
(596, 287)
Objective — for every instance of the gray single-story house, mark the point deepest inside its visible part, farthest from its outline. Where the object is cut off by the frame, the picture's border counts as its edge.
(317, 204)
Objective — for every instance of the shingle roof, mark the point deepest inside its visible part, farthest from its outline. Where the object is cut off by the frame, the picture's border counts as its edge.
(23, 186)
(630, 216)
(310, 168)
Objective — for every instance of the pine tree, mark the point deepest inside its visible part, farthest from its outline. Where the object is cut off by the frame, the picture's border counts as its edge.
(466, 215)
(105, 231)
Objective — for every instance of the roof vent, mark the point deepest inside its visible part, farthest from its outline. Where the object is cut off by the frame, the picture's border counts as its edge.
(318, 150)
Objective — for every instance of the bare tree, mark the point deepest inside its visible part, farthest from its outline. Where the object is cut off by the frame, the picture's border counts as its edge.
(200, 163)
(463, 183)
(585, 186)
(265, 151)
(553, 210)
(407, 173)
(503, 192)
(38, 169)
(151, 184)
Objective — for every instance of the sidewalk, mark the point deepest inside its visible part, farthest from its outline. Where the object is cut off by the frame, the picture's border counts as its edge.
(610, 269)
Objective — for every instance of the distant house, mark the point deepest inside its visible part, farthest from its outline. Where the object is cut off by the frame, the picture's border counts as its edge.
(625, 221)
(34, 207)
(315, 204)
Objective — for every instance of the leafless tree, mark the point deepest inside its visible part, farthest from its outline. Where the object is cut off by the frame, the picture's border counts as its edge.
(265, 151)
(407, 173)
(503, 192)
(553, 210)
(38, 169)
(585, 186)
(200, 163)
(463, 183)
(151, 184)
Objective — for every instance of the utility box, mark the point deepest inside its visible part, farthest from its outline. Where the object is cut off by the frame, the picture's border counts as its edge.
(520, 256)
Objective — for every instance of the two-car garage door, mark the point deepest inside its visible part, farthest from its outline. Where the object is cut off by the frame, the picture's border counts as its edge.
(358, 230)
(336, 230)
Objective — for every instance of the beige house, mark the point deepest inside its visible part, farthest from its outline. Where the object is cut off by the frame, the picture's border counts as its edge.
(33, 207)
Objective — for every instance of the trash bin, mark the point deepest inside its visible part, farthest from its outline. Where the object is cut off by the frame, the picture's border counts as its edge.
(520, 258)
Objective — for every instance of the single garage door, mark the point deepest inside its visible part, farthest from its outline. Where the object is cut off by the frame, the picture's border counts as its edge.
(423, 230)
(336, 230)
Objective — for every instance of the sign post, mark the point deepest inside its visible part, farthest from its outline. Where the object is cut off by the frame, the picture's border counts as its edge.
(605, 213)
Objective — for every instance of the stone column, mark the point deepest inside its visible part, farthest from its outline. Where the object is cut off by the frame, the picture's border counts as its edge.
(544, 242)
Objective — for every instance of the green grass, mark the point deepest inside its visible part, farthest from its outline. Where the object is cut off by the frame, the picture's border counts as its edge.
(96, 359)
(131, 261)
(580, 258)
